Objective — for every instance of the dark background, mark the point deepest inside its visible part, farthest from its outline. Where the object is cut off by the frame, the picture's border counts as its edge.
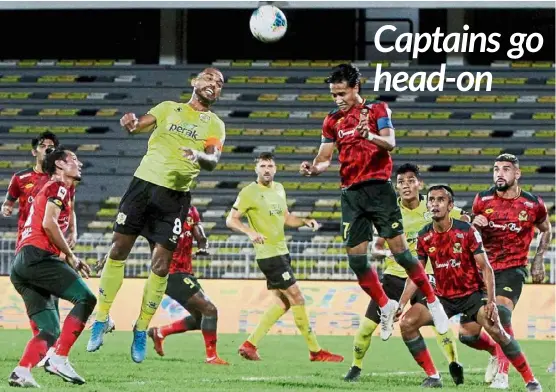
(224, 34)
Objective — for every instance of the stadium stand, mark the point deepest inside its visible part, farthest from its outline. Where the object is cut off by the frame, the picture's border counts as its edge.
(270, 106)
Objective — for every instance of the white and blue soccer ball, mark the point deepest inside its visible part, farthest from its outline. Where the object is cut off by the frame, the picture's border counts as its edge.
(268, 23)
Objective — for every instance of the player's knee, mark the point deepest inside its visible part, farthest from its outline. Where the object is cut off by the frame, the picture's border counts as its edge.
(408, 324)
(49, 336)
(504, 314)
(359, 263)
(210, 310)
(468, 340)
(405, 259)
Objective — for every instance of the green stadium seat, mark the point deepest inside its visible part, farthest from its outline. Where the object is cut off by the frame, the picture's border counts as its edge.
(481, 169)
(459, 187)
(207, 184)
(449, 151)
(292, 132)
(491, 151)
(417, 133)
(318, 115)
(291, 185)
(543, 116)
(312, 132)
(310, 186)
(9, 147)
(429, 150)
(407, 150)
(477, 187)
(529, 169)
(543, 188)
(107, 112)
(252, 132)
(436, 133)
(21, 164)
(267, 97)
(545, 133)
(460, 168)
(234, 131)
(10, 78)
(470, 151)
(535, 151)
(88, 147)
(10, 111)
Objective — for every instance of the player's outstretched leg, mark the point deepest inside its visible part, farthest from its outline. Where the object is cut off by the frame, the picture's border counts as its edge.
(472, 335)
(248, 349)
(362, 342)
(447, 344)
(84, 303)
(416, 272)
(111, 280)
(297, 302)
(501, 380)
(511, 349)
(412, 321)
(370, 283)
(155, 288)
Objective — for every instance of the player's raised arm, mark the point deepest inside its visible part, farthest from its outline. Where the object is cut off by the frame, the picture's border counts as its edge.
(132, 124)
(295, 221)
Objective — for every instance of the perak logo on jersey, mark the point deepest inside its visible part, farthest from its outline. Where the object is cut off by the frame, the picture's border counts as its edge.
(188, 130)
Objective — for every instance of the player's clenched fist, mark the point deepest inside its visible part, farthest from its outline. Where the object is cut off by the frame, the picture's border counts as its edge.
(7, 210)
(306, 169)
(129, 121)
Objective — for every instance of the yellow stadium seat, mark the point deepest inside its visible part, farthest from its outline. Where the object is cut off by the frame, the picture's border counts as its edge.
(324, 98)
(428, 150)
(291, 185)
(293, 132)
(298, 63)
(77, 129)
(330, 186)
(526, 187)
(459, 187)
(507, 98)
(550, 151)
(529, 169)
(436, 133)
(543, 188)
(486, 99)
(440, 115)
(284, 149)
(312, 132)
(543, 116)
(546, 99)
(480, 133)
(10, 147)
(307, 97)
(88, 147)
(306, 150)
(417, 133)
(481, 168)
(277, 79)
(401, 133)
(21, 164)
(460, 168)
(545, 133)
(282, 114)
(259, 114)
(252, 132)
(280, 63)
(481, 116)
(10, 112)
(318, 115)
(449, 151)
(535, 151)
(10, 78)
(466, 98)
(267, 97)
(107, 212)
(491, 151)
(315, 79)
(207, 184)
(477, 187)
(446, 98)
(237, 79)
(309, 186)
(470, 151)
(420, 115)
(234, 131)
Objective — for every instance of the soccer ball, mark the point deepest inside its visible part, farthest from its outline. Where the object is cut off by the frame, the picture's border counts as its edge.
(268, 23)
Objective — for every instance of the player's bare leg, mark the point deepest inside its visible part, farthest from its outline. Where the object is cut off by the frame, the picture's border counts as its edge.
(280, 306)
(472, 335)
(155, 287)
(297, 302)
(505, 309)
(416, 272)
(370, 283)
(203, 316)
(510, 347)
(415, 318)
(111, 280)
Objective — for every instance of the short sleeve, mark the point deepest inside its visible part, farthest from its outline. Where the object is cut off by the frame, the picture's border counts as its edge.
(421, 252)
(475, 241)
(59, 195)
(14, 190)
(477, 205)
(195, 216)
(159, 111)
(242, 203)
(327, 131)
(542, 212)
(383, 116)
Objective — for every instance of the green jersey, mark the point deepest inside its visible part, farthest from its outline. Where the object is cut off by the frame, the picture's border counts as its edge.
(413, 222)
(265, 208)
(178, 125)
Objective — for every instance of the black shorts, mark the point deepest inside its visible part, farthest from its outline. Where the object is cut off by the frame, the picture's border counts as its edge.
(393, 287)
(278, 272)
(509, 283)
(367, 204)
(467, 306)
(155, 212)
(181, 287)
(40, 278)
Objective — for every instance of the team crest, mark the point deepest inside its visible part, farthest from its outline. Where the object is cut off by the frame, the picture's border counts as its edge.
(432, 249)
(120, 218)
(523, 216)
(457, 247)
(189, 220)
(30, 185)
(489, 211)
(204, 117)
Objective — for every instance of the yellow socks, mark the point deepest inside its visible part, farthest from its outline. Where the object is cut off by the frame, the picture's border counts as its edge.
(362, 341)
(302, 323)
(269, 318)
(110, 282)
(152, 296)
(447, 344)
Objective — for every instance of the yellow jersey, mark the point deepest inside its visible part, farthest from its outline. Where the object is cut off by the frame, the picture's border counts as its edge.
(265, 208)
(178, 125)
(413, 222)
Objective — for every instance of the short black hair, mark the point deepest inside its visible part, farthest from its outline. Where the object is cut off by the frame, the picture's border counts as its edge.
(409, 167)
(265, 156)
(508, 158)
(348, 73)
(45, 136)
(440, 187)
(53, 155)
